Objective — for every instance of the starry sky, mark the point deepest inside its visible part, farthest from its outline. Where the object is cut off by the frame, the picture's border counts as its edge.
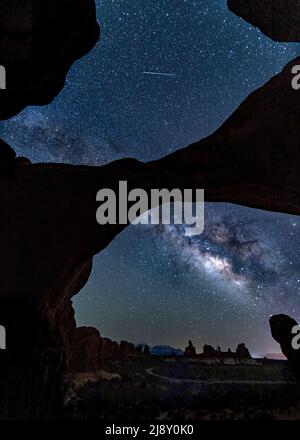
(155, 284)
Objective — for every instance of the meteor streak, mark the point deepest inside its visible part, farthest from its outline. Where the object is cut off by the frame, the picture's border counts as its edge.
(160, 74)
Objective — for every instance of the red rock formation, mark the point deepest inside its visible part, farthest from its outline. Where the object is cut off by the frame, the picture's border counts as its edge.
(127, 349)
(90, 350)
(278, 19)
(85, 355)
(39, 41)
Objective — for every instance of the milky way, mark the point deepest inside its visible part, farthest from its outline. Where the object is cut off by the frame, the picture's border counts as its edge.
(155, 284)
(232, 254)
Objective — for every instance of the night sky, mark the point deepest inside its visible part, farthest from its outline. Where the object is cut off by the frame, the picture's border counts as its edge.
(155, 284)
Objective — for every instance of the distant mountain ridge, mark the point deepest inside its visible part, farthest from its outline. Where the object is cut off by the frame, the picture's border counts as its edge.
(165, 350)
(162, 350)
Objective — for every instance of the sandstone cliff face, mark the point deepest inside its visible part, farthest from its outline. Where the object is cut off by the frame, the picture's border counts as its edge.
(85, 354)
(39, 41)
(90, 351)
(278, 19)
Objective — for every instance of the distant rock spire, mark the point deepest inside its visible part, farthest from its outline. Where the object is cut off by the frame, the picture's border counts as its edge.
(242, 352)
(190, 350)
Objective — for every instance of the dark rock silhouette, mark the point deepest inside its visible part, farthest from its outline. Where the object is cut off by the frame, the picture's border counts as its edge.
(85, 355)
(39, 41)
(139, 349)
(110, 350)
(7, 154)
(49, 234)
(89, 350)
(146, 350)
(243, 161)
(208, 351)
(278, 19)
(127, 348)
(242, 352)
(281, 329)
(190, 350)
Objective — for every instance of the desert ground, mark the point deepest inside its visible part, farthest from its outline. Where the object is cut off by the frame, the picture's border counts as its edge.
(170, 388)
